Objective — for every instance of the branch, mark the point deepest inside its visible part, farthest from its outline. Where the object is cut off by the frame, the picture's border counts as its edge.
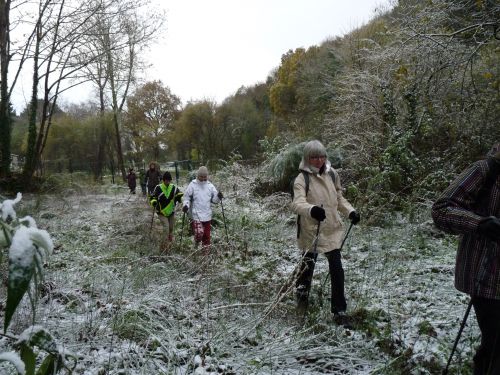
(8, 336)
(481, 25)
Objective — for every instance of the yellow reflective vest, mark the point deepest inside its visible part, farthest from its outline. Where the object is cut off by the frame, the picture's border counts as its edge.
(165, 197)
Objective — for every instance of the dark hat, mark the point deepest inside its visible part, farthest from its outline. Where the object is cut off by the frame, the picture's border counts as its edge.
(167, 176)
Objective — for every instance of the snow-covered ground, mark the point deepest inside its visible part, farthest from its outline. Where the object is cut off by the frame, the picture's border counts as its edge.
(121, 307)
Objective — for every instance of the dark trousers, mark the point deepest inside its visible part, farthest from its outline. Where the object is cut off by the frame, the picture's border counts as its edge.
(487, 357)
(306, 271)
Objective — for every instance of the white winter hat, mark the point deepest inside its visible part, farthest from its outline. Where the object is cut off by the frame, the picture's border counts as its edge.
(202, 171)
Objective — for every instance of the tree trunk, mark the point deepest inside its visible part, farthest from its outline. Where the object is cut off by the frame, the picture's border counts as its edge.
(121, 165)
(5, 119)
(114, 104)
(31, 155)
(101, 144)
(101, 137)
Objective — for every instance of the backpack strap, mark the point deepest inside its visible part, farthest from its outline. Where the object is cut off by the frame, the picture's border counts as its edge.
(332, 175)
(306, 178)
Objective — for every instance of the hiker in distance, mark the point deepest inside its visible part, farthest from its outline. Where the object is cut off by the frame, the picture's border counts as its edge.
(131, 180)
(153, 177)
(164, 198)
(470, 207)
(317, 199)
(200, 194)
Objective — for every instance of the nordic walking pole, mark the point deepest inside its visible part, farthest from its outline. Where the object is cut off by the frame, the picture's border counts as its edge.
(341, 246)
(459, 334)
(182, 225)
(479, 279)
(224, 219)
(152, 218)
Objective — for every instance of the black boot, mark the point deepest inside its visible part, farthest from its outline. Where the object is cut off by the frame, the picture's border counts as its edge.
(302, 296)
(342, 319)
(303, 283)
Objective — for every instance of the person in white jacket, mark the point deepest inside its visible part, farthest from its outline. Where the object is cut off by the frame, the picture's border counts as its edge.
(198, 199)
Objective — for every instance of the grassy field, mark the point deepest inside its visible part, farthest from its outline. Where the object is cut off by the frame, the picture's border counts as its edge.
(113, 299)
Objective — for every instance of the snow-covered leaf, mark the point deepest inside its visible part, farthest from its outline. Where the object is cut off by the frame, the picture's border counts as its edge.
(38, 336)
(24, 257)
(28, 221)
(47, 366)
(14, 358)
(7, 207)
(21, 269)
(29, 359)
(5, 235)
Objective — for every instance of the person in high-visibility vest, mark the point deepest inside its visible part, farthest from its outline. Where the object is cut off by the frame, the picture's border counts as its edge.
(164, 198)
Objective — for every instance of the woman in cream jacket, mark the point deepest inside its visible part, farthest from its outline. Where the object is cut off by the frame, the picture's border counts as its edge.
(318, 209)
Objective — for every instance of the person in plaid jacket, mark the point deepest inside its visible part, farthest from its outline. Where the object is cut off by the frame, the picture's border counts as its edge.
(470, 207)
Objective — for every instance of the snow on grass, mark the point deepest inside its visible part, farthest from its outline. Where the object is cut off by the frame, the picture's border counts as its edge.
(123, 307)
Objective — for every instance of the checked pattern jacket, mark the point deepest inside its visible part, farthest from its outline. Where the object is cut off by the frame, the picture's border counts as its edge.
(459, 210)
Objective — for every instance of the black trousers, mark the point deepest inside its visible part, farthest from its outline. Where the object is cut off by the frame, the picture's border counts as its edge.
(487, 357)
(306, 271)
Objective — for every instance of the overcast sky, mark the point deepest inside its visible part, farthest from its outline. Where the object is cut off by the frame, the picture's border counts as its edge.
(211, 48)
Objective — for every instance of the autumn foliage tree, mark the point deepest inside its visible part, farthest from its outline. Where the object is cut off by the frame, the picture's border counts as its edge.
(196, 134)
(417, 97)
(152, 111)
(243, 120)
(298, 94)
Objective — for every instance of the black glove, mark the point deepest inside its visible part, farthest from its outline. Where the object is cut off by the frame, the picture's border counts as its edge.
(490, 228)
(219, 195)
(354, 217)
(185, 208)
(318, 213)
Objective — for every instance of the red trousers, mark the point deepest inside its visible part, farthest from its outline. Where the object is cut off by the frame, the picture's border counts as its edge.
(201, 230)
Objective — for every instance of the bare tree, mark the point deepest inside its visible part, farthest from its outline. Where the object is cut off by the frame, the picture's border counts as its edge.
(61, 32)
(123, 30)
(7, 55)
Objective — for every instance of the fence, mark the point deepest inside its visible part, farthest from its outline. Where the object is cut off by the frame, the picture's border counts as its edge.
(179, 168)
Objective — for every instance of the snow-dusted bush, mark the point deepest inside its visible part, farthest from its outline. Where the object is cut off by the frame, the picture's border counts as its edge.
(27, 248)
(283, 166)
